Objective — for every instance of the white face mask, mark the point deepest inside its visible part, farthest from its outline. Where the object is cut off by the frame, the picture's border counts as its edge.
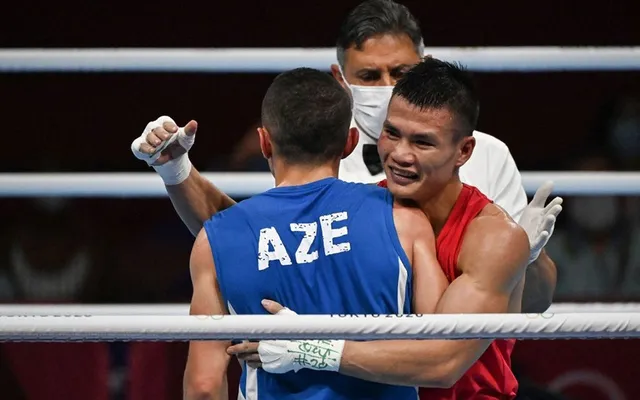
(370, 104)
(595, 214)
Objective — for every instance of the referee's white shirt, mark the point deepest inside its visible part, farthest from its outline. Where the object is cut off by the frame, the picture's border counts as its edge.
(491, 169)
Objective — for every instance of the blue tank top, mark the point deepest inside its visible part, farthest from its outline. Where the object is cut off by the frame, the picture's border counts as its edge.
(327, 247)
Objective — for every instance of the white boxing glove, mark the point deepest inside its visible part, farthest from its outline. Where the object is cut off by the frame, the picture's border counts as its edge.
(282, 356)
(539, 220)
(177, 166)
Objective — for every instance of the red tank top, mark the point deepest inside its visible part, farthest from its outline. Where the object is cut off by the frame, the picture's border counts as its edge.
(491, 376)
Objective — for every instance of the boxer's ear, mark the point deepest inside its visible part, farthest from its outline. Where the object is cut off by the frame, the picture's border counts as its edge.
(265, 142)
(465, 150)
(352, 142)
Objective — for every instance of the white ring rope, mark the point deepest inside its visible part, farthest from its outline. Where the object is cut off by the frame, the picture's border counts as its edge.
(244, 184)
(252, 60)
(183, 309)
(254, 327)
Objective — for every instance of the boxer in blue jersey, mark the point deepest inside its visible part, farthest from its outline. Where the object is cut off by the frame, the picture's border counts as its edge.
(315, 243)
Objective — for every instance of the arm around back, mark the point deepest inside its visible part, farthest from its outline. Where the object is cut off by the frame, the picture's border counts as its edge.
(492, 260)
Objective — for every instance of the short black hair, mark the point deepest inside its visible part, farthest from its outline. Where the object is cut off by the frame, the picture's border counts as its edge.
(437, 84)
(308, 115)
(374, 18)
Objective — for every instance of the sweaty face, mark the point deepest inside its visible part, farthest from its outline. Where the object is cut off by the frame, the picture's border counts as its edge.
(419, 149)
(381, 61)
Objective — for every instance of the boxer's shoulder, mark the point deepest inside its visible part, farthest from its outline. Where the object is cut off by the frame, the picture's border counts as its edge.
(493, 235)
(493, 220)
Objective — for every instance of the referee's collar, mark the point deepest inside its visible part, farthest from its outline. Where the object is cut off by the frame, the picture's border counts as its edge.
(370, 155)
(371, 158)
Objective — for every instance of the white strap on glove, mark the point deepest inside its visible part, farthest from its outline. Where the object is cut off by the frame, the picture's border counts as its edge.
(282, 356)
(539, 221)
(177, 168)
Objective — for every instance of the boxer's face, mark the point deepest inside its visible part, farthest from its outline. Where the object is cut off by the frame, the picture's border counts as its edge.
(381, 61)
(421, 150)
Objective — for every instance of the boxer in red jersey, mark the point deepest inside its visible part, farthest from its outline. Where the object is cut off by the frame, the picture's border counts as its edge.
(491, 376)
(426, 139)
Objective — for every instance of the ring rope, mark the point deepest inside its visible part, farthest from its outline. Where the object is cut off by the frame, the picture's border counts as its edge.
(260, 60)
(183, 309)
(363, 327)
(244, 184)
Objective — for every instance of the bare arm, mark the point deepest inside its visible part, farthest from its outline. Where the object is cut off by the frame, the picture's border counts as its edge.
(540, 285)
(492, 259)
(196, 199)
(429, 282)
(205, 376)
(419, 243)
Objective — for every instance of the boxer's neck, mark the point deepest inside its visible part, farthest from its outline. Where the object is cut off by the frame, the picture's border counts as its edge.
(440, 205)
(295, 175)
